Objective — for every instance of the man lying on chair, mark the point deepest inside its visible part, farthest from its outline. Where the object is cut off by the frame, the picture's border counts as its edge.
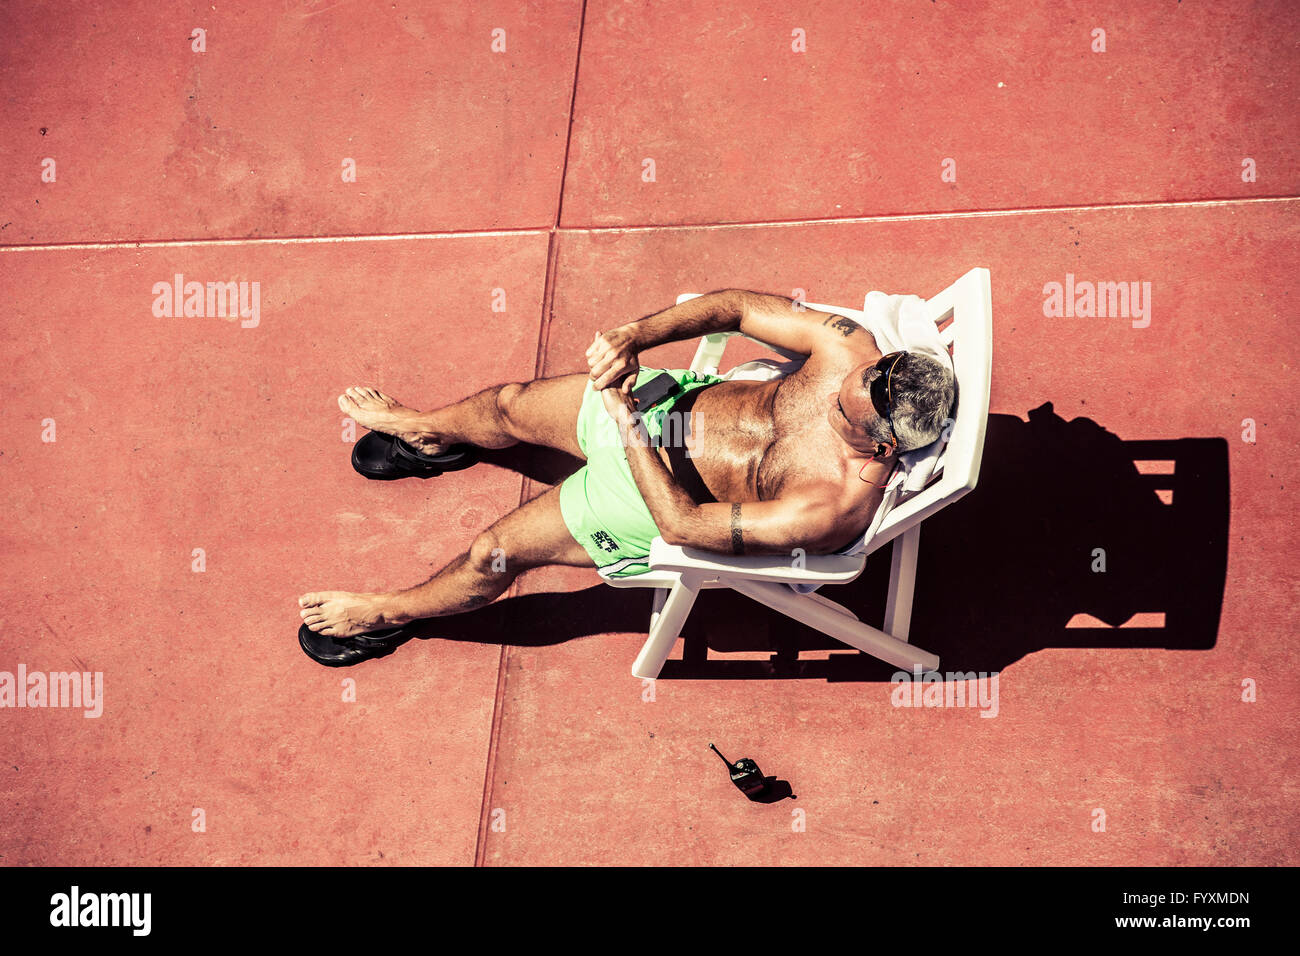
(763, 467)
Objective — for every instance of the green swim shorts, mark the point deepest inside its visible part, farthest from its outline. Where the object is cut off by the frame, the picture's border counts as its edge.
(600, 502)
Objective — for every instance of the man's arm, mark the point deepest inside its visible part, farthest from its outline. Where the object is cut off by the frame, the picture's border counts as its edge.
(613, 354)
(769, 318)
(759, 527)
(774, 319)
(712, 312)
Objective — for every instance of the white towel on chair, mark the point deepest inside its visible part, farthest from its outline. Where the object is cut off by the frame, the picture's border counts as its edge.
(899, 322)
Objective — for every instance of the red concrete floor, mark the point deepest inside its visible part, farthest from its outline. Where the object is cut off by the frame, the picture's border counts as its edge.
(516, 177)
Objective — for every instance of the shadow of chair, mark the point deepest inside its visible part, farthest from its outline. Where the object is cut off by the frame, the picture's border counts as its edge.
(1010, 569)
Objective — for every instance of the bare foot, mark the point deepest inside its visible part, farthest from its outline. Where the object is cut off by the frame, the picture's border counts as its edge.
(371, 408)
(343, 614)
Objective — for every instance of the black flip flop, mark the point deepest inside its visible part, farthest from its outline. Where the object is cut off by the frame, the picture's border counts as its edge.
(386, 458)
(346, 651)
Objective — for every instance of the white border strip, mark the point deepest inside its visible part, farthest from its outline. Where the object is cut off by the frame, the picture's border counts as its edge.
(673, 227)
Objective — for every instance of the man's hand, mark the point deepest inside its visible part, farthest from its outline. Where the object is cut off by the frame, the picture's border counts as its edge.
(622, 408)
(612, 359)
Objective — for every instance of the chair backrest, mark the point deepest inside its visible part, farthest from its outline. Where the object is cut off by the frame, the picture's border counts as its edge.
(966, 307)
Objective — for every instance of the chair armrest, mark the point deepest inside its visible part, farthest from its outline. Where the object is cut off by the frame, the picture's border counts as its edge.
(808, 569)
(708, 355)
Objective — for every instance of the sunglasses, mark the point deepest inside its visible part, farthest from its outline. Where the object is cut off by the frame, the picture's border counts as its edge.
(882, 392)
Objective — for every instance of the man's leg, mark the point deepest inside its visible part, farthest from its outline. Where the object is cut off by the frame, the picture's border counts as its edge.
(529, 537)
(541, 412)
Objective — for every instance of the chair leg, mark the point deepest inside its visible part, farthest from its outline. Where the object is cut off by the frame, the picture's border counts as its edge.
(902, 583)
(839, 626)
(666, 627)
(661, 595)
(827, 602)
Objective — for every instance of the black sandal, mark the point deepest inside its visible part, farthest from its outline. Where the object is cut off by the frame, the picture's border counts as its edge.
(386, 458)
(346, 651)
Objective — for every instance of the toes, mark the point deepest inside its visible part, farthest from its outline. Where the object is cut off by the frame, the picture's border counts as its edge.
(311, 600)
(317, 626)
(358, 396)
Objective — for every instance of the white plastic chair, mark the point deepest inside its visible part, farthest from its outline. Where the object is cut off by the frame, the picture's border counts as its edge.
(678, 574)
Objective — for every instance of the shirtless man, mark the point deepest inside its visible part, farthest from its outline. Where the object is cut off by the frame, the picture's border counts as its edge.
(767, 467)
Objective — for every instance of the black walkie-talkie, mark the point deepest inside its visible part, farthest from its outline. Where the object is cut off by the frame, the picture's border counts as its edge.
(744, 774)
(647, 396)
(655, 391)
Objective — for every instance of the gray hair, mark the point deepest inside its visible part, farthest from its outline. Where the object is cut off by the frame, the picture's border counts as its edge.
(925, 400)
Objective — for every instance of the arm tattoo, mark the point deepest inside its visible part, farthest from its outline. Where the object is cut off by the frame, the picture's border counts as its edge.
(840, 324)
(737, 540)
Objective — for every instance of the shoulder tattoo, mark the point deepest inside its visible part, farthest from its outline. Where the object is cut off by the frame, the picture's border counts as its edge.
(840, 324)
(737, 539)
